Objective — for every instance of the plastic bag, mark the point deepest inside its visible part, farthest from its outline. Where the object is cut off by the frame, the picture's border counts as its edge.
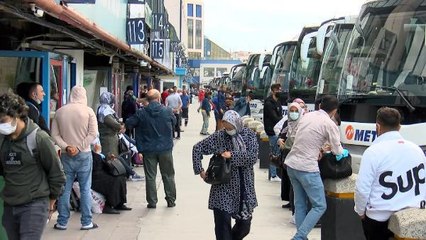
(98, 202)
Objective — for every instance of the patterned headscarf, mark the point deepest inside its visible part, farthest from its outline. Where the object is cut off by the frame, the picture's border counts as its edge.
(234, 119)
(106, 100)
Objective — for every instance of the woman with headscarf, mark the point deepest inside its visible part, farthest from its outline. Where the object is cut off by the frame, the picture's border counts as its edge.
(236, 199)
(285, 141)
(108, 124)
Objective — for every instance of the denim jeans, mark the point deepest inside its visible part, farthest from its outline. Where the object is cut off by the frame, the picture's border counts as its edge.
(223, 230)
(275, 150)
(26, 221)
(80, 167)
(205, 127)
(307, 186)
(165, 160)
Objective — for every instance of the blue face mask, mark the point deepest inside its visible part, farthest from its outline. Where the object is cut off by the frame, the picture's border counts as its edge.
(293, 116)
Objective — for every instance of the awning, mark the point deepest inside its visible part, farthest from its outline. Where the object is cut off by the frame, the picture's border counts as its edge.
(75, 19)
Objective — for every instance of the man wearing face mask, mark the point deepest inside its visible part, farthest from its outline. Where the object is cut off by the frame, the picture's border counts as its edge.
(272, 114)
(313, 131)
(33, 94)
(391, 176)
(33, 180)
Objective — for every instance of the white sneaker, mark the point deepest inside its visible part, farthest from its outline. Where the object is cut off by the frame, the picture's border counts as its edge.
(293, 220)
(275, 179)
(136, 178)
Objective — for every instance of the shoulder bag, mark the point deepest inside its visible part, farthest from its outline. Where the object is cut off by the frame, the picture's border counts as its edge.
(219, 170)
(332, 169)
(116, 167)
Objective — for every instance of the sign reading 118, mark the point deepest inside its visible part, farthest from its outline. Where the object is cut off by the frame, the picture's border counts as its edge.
(135, 31)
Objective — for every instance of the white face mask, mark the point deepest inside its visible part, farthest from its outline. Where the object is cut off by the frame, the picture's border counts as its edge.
(231, 132)
(294, 115)
(7, 128)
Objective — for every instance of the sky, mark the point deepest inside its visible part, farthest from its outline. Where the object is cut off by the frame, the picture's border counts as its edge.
(259, 25)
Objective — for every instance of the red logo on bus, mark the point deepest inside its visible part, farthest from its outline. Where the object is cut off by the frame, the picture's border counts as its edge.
(349, 132)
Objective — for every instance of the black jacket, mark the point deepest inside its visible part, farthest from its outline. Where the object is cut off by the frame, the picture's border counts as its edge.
(34, 113)
(272, 113)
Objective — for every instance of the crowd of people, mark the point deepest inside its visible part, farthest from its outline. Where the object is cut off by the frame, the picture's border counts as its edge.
(40, 164)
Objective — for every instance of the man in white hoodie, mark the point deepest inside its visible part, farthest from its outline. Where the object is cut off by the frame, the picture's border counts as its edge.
(74, 128)
(391, 176)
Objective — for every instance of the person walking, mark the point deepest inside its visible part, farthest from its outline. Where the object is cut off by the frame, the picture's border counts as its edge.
(154, 139)
(205, 108)
(236, 199)
(313, 131)
(74, 127)
(185, 106)
(391, 176)
(272, 114)
(175, 103)
(33, 94)
(33, 176)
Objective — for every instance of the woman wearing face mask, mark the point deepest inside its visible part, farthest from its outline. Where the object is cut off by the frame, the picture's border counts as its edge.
(285, 141)
(236, 199)
(33, 180)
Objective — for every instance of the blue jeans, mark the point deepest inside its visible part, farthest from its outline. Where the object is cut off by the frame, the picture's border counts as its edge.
(80, 167)
(275, 150)
(307, 186)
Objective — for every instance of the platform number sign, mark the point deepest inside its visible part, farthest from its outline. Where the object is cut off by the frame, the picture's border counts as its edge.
(173, 46)
(165, 33)
(157, 49)
(158, 21)
(135, 31)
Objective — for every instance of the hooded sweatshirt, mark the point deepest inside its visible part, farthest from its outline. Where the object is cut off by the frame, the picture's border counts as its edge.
(154, 128)
(30, 176)
(75, 124)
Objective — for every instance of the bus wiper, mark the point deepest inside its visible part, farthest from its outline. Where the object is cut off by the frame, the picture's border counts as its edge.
(410, 107)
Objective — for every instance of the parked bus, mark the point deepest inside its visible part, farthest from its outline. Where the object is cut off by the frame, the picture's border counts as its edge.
(385, 66)
(333, 57)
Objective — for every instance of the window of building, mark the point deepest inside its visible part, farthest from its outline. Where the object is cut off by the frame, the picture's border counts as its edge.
(190, 33)
(190, 8)
(198, 12)
(208, 72)
(198, 34)
(194, 55)
(221, 71)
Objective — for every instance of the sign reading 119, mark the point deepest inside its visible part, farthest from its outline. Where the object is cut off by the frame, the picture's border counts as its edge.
(135, 31)
(157, 49)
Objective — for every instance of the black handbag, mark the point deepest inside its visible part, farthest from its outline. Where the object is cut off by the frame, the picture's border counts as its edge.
(116, 167)
(332, 169)
(219, 170)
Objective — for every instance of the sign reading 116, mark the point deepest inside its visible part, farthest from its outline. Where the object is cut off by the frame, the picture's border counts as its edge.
(135, 31)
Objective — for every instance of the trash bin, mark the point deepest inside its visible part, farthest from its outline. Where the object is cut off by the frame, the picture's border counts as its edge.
(263, 141)
(340, 221)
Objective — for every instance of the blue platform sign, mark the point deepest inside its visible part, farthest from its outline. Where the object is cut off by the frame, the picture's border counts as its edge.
(135, 31)
(157, 49)
(81, 1)
(137, 1)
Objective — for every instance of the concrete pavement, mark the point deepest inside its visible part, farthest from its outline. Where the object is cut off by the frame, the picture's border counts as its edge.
(190, 219)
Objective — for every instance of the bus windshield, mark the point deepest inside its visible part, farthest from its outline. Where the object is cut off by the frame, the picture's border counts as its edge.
(281, 66)
(386, 57)
(332, 62)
